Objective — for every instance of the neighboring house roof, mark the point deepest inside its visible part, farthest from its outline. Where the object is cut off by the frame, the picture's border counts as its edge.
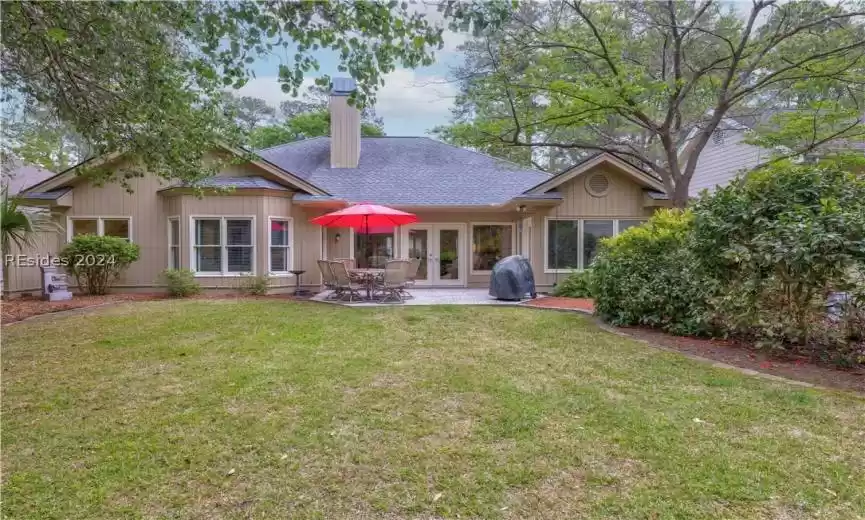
(407, 171)
(18, 177)
(259, 183)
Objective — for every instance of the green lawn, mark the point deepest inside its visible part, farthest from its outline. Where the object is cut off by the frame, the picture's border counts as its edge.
(271, 409)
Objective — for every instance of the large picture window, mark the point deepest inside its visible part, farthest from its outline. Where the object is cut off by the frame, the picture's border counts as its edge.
(563, 244)
(223, 245)
(490, 243)
(280, 245)
(102, 226)
(573, 243)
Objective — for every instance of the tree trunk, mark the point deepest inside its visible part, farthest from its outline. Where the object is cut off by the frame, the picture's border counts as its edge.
(679, 196)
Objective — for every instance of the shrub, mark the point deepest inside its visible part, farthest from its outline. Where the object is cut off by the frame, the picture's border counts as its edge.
(778, 241)
(254, 285)
(181, 282)
(648, 275)
(576, 285)
(97, 261)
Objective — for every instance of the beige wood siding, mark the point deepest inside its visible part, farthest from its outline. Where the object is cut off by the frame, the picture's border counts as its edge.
(24, 278)
(624, 200)
(148, 213)
(344, 133)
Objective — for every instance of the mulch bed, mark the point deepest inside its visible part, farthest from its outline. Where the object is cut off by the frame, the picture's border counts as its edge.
(557, 302)
(17, 309)
(734, 353)
(744, 355)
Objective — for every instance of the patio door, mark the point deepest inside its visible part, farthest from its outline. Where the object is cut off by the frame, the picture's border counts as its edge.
(439, 247)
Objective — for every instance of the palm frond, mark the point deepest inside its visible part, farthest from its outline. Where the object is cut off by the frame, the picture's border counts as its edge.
(21, 226)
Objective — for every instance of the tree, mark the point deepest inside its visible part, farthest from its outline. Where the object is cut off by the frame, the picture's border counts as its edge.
(145, 78)
(249, 112)
(652, 81)
(303, 126)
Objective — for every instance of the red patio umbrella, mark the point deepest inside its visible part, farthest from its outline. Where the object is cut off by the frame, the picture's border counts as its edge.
(365, 216)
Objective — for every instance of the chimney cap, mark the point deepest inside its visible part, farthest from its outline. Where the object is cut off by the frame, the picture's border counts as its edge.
(342, 86)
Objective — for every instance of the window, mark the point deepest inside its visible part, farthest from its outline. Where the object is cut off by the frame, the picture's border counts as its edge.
(625, 224)
(593, 231)
(373, 249)
(174, 243)
(223, 245)
(563, 244)
(573, 243)
(102, 226)
(280, 250)
(490, 243)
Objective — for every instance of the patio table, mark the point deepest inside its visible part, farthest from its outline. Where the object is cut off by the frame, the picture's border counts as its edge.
(367, 277)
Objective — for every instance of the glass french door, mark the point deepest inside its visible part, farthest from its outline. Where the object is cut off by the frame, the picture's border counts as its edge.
(439, 247)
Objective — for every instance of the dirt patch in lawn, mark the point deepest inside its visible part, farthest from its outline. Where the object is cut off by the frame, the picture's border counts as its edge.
(744, 355)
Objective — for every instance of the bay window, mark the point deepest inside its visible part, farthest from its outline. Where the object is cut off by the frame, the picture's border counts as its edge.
(223, 245)
(490, 243)
(280, 245)
(572, 243)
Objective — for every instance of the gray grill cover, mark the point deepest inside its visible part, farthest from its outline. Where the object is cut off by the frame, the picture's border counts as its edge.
(512, 279)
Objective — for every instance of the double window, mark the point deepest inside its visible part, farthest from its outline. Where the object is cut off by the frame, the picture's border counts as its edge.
(490, 243)
(103, 226)
(573, 243)
(223, 245)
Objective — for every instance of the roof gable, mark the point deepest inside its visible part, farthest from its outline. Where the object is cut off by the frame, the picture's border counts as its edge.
(601, 159)
(67, 177)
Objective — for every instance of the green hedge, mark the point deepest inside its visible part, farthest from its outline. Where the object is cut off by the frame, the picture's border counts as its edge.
(97, 261)
(755, 259)
(648, 275)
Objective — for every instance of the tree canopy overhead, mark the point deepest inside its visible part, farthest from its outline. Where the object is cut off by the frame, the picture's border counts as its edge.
(147, 77)
(651, 81)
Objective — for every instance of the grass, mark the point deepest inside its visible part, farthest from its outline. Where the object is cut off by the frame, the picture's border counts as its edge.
(267, 409)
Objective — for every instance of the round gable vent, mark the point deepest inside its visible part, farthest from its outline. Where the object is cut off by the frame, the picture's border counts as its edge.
(597, 184)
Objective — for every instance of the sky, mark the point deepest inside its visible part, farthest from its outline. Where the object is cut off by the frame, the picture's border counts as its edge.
(412, 101)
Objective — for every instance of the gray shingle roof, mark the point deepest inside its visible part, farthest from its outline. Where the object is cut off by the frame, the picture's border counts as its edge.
(46, 195)
(259, 183)
(407, 171)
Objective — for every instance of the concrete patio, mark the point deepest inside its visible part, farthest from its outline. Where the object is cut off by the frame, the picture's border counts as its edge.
(454, 296)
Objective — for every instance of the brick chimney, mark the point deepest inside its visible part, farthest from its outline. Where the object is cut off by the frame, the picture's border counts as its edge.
(344, 125)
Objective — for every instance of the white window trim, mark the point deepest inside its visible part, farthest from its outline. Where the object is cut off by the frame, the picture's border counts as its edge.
(223, 273)
(471, 234)
(168, 236)
(100, 223)
(289, 247)
(581, 232)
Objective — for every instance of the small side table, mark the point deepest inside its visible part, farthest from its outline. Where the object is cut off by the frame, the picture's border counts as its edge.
(298, 291)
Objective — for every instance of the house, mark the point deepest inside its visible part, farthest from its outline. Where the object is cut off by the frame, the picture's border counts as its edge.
(253, 218)
(17, 177)
(727, 155)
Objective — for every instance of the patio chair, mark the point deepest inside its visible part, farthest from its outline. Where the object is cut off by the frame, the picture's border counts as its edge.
(344, 282)
(410, 275)
(393, 282)
(348, 262)
(329, 279)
